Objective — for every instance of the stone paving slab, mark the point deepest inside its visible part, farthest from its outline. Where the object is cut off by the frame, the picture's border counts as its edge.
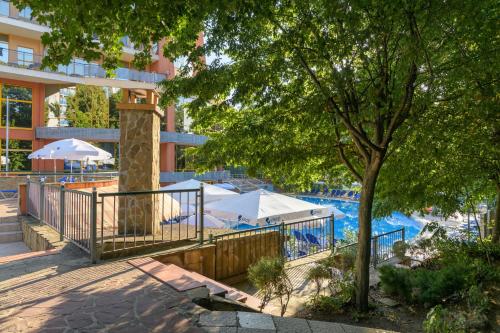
(219, 318)
(246, 322)
(291, 325)
(62, 292)
(255, 321)
(10, 249)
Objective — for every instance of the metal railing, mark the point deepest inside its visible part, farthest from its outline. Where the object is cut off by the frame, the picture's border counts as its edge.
(128, 220)
(382, 246)
(76, 218)
(34, 195)
(235, 251)
(76, 68)
(115, 222)
(304, 238)
(51, 205)
(66, 211)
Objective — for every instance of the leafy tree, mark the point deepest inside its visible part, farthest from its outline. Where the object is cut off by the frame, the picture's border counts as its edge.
(54, 108)
(314, 89)
(88, 107)
(450, 157)
(114, 114)
(313, 85)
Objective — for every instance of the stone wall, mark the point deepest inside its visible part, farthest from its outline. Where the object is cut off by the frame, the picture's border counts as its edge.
(38, 236)
(11, 182)
(139, 168)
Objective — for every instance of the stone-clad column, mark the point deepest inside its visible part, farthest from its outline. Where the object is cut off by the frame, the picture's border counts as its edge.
(139, 163)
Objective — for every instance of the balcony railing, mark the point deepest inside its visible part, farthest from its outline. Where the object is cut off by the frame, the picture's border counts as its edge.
(8, 9)
(76, 68)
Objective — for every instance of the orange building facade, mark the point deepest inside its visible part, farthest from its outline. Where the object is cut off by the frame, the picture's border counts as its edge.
(25, 89)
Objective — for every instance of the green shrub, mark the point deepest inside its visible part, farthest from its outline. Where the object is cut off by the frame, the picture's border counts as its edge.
(399, 248)
(325, 304)
(396, 281)
(441, 320)
(318, 274)
(269, 276)
(432, 287)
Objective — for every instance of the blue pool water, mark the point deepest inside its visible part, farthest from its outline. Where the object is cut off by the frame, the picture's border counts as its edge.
(379, 226)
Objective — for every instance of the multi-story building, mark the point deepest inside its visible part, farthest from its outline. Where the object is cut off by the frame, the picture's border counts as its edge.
(27, 87)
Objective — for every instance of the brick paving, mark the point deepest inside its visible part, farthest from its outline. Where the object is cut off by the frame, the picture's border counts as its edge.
(8, 211)
(62, 293)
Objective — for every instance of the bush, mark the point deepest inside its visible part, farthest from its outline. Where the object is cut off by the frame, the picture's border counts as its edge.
(453, 273)
(269, 276)
(441, 320)
(342, 295)
(399, 248)
(396, 281)
(325, 304)
(318, 274)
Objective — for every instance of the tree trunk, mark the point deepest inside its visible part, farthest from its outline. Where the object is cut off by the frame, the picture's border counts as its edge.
(365, 232)
(496, 226)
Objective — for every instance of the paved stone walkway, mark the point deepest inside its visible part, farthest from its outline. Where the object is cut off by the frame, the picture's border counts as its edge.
(62, 293)
(8, 211)
(239, 322)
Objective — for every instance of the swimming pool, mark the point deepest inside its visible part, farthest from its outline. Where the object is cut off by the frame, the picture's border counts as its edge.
(379, 226)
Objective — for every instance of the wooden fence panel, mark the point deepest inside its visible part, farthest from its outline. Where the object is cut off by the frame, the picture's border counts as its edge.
(235, 255)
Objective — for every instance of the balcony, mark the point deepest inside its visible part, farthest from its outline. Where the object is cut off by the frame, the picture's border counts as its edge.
(76, 68)
(7, 9)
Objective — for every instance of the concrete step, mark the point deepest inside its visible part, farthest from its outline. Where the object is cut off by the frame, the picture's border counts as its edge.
(183, 280)
(11, 236)
(10, 226)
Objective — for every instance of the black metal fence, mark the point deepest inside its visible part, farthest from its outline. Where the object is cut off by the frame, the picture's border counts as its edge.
(136, 219)
(118, 221)
(304, 238)
(76, 219)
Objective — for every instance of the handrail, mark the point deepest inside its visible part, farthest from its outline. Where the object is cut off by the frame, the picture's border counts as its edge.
(33, 61)
(119, 194)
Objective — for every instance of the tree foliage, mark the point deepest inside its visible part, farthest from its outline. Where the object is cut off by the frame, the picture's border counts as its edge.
(313, 89)
(88, 107)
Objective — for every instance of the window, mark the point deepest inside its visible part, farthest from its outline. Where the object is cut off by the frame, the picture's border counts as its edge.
(4, 52)
(25, 13)
(20, 106)
(4, 7)
(18, 155)
(24, 56)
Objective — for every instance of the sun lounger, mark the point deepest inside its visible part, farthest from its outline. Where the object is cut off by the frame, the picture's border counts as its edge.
(299, 236)
(313, 240)
(349, 194)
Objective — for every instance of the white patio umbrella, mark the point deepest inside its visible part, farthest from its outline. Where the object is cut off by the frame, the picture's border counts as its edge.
(211, 193)
(187, 200)
(262, 207)
(209, 221)
(70, 149)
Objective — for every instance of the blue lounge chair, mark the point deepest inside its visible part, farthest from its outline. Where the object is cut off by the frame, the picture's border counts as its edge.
(341, 193)
(299, 236)
(313, 240)
(299, 254)
(357, 196)
(325, 191)
(350, 194)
